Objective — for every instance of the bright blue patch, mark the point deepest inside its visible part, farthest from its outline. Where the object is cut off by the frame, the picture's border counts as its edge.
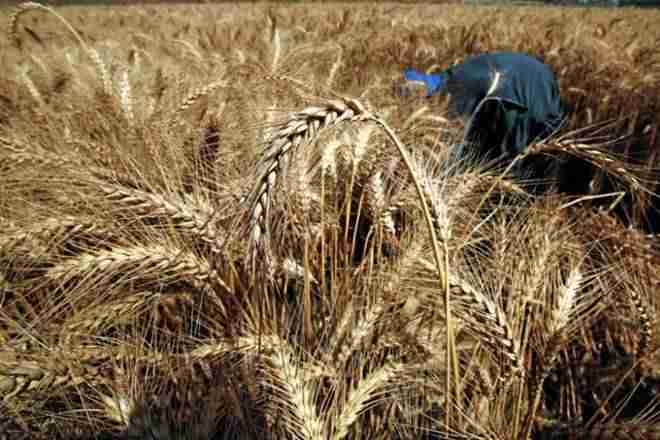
(434, 82)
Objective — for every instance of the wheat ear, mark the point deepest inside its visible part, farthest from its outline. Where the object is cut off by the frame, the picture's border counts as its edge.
(285, 374)
(561, 316)
(335, 68)
(614, 431)
(360, 333)
(358, 399)
(192, 98)
(595, 156)
(194, 219)
(150, 264)
(126, 97)
(90, 320)
(486, 319)
(301, 128)
(295, 391)
(53, 230)
(629, 245)
(18, 159)
(377, 204)
(646, 332)
(472, 183)
(18, 377)
(18, 154)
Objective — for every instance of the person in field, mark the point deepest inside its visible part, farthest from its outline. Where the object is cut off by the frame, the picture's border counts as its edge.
(509, 100)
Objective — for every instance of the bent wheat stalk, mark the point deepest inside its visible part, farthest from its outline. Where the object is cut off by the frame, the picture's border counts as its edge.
(595, 156)
(303, 127)
(442, 265)
(92, 53)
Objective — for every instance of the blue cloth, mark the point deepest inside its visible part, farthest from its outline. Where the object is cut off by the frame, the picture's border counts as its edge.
(434, 82)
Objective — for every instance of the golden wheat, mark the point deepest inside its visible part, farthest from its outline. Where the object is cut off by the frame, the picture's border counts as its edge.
(395, 290)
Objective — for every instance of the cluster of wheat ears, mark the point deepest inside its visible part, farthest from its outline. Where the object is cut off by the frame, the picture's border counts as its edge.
(247, 260)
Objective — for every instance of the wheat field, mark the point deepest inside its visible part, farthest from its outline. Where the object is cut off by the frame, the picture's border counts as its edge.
(223, 222)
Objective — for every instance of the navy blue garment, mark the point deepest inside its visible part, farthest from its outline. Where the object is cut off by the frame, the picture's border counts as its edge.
(510, 99)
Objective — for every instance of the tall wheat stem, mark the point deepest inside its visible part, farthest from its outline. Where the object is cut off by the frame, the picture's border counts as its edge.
(441, 263)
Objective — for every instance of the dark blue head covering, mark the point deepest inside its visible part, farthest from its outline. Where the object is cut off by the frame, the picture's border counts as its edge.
(434, 82)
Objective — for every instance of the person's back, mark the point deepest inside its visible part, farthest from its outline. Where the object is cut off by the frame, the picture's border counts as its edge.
(511, 100)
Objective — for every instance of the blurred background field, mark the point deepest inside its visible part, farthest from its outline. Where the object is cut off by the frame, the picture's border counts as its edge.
(137, 145)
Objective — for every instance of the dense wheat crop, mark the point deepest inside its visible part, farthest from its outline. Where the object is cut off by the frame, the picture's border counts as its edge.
(221, 222)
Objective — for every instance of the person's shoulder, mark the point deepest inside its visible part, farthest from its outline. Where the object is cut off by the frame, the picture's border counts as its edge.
(499, 61)
(513, 58)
